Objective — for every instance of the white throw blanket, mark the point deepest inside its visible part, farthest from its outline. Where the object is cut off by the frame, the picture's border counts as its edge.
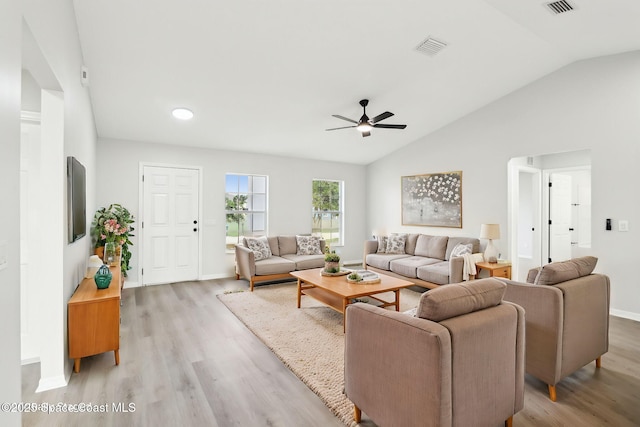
(469, 267)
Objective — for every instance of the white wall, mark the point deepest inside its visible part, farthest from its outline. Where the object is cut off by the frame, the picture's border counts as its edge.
(10, 66)
(592, 104)
(53, 27)
(289, 193)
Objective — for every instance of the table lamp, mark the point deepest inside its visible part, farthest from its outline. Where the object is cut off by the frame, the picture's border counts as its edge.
(490, 232)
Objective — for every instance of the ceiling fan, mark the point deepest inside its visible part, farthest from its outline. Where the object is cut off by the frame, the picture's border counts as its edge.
(365, 124)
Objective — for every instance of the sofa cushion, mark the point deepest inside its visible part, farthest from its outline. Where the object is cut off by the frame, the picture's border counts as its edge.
(273, 245)
(395, 243)
(382, 261)
(305, 262)
(259, 246)
(454, 241)
(461, 298)
(437, 273)
(431, 246)
(410, 244)
(382, 244)
(558, 272)
(274, 265)
(409, 265)
(308, 245)
(287, 245)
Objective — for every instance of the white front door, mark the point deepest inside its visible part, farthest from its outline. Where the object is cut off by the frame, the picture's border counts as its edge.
(170, 225)
(559, 217)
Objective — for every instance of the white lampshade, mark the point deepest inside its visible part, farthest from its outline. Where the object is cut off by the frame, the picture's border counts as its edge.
(490, 232)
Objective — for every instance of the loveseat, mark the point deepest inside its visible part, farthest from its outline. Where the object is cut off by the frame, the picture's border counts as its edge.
(567, 318)
(427, 261)
(285, 254)
(458, 362)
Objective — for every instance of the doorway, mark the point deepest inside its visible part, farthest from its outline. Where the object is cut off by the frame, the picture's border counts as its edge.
(170, 225)
(550, 209)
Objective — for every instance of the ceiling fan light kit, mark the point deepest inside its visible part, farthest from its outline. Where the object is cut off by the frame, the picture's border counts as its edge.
(365, 124)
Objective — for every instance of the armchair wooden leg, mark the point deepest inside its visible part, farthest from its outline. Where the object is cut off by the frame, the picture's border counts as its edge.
(552, 392)
(251, 284)
(357, 414)
(508, 422)
(237, 276)
(599, 362)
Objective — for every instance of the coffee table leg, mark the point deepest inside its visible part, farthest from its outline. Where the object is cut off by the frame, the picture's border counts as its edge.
(345, 303)
(299, 291)
(397, 292)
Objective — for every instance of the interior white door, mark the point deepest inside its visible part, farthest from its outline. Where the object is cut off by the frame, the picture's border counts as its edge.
(559, 217)
(170, 225)
(529, 230)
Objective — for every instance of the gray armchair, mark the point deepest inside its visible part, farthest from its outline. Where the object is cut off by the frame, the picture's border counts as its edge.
(458, 362)
(567, 318)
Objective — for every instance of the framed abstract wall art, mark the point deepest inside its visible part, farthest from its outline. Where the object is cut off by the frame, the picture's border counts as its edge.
(433, 199)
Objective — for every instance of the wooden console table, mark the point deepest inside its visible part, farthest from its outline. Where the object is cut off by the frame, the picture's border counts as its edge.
(94, 319)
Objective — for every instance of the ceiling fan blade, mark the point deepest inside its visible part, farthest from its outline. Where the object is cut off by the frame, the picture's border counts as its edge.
(337, 116)
(381, 117)
(390, 126)
(344, 127)
(365, 134)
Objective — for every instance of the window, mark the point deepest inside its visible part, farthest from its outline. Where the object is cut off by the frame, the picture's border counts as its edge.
(327, 211)
(246, 207)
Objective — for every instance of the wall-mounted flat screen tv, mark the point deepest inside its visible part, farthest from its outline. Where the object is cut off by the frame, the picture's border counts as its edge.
(76, 199)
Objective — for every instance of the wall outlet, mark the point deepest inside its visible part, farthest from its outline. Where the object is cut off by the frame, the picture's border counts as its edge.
(623, 225)
(3, 254)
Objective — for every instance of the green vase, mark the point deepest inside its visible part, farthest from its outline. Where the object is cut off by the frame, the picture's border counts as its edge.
(103, 277)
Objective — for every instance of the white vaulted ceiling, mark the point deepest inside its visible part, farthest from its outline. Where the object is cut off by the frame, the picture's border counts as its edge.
(266, 76)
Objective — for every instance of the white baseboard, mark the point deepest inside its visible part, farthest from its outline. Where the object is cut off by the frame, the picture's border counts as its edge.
(131, 284)
(30, 360)
(352, 262)
(51, 383)
(626, 314)
(216, 276)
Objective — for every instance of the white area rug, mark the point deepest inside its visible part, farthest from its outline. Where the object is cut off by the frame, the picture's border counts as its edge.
(308, 340)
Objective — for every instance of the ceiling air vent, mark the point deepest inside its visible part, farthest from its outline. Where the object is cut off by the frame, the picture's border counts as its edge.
(561, 6)
(431, 46)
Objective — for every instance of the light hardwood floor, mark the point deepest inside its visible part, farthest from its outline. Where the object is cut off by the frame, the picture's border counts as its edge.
(186, 360)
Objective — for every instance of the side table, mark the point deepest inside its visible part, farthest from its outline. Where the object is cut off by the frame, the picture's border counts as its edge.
(496, 269)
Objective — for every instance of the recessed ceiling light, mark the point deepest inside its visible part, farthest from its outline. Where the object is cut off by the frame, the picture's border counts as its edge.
(182, 113)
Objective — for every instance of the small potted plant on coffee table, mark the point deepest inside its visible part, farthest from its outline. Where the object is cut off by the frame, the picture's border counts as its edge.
(331, 262)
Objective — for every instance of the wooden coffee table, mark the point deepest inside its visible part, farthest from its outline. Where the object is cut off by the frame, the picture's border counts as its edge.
(337, 293)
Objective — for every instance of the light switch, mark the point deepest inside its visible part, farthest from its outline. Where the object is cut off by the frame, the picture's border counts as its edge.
(3, 254)
(623, 225)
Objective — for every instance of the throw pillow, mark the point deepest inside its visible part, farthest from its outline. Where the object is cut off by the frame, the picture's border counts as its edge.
(461, 249)
(382, 244)
(395, 244)
(308, 245)
(260, 247)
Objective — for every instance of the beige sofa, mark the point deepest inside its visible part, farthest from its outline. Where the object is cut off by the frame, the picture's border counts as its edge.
(284, 259)
(458, 362)
(426, 260)
(567, 318)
